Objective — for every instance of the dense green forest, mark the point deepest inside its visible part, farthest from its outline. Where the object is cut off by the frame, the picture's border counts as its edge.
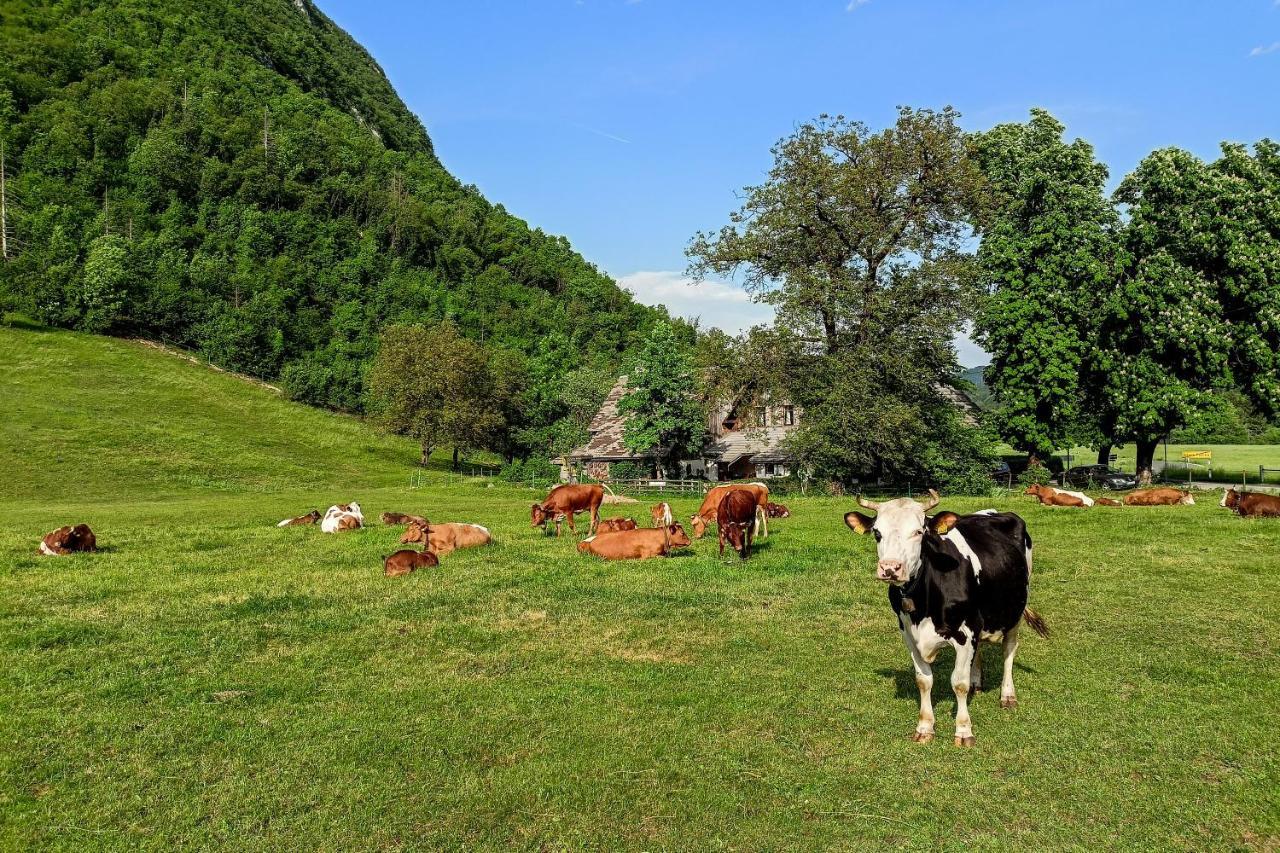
(240, 178)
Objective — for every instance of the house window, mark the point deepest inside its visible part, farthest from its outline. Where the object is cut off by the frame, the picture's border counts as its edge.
(788, 415)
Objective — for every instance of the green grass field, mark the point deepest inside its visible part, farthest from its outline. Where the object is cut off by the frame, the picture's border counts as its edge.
(209, 680)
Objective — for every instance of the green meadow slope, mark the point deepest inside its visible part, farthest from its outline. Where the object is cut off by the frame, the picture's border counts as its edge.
(91, 417)
(209, 681)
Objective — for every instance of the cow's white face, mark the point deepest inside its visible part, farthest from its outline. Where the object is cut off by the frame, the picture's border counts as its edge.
(899, 528)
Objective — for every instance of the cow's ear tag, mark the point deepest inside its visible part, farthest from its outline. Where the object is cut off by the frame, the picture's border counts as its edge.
(943, 521)
(858, 522)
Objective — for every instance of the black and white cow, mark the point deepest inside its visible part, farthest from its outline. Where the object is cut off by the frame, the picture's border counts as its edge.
(953, 580)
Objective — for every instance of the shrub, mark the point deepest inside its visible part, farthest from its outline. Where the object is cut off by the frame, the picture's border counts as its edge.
(630, 471)
(1035, 475)
(532, 470)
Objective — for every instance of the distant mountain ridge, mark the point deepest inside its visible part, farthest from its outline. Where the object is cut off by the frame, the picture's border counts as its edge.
(240, 178)
(977, 389)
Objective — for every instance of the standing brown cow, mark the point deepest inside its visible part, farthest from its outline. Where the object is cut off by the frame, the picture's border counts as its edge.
(707, 512)
(67, 540)
(565, 500)
(1251, 504)
(640, 544)
(735, 519)
(1159, 497)
(661, 515)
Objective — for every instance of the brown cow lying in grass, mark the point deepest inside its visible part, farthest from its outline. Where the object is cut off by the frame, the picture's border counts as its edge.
(403, 518)
(68, 540)
(1251, 504)
(405, 561)
(777, 511)
(640, 544)
(1049, 496)
(447, 537)
(312, 517)
(613, 525)
(1159, 497)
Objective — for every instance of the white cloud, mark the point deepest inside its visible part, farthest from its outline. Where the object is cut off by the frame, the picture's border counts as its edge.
(1261, 51)
(853, 4)
(968, 353)
(716, 304)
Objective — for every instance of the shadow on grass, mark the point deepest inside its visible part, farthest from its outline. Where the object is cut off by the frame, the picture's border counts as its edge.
(904, 677)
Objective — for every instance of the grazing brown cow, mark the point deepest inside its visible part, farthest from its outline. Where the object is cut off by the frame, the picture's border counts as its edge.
(613, 525)
(1049, 496)
(565, 500)
(661, 515)
(312, 517)
(447, 537)
(776, 511)
(735, 520)
(67, 540)
(407, 560)
(640, 544)
(711, 502)
(403, 518)
(1159, 497)
(1251, 504)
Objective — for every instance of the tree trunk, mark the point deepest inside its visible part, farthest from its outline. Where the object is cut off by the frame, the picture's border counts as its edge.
(455, 458)
(426, 453)
(1146, 459)
(1104, 454)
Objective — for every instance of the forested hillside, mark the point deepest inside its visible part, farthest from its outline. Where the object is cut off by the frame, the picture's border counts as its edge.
(240, 178)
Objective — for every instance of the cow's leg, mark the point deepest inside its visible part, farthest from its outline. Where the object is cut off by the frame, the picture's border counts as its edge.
(924, 682)
(975, 671)
(569, 518)
(965, 653)
(1009, 699)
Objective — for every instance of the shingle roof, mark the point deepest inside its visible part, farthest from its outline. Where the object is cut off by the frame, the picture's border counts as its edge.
(606, 430)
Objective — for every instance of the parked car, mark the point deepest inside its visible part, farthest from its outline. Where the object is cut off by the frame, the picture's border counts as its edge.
(1001, 473)
(1101, 476)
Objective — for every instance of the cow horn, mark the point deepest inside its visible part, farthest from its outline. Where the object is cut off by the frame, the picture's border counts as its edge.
(932, 502)
(866, 504)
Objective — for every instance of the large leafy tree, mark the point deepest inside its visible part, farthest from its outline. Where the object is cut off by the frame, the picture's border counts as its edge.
(439, 388)
(1198, 308)
(1048, 257)
(858, 238)
(662, 415)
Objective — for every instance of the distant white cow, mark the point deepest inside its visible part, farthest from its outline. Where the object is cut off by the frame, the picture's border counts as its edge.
(342, 517)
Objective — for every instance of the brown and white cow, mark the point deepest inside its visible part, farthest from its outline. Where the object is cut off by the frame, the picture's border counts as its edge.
(68, 540)
(404, 561)
(1163, 496)
(661, 515)
(1251, 504)
(639, 544)
(735, 520)
(564, 500)
(312, 517)
(342, 517)
(447, 537)
(773, 510)
(1050, 496)
(613, 525)
(706, 513)
(403, 518)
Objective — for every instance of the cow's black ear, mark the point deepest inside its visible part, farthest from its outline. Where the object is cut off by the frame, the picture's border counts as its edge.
(943, 521)
(858, 522)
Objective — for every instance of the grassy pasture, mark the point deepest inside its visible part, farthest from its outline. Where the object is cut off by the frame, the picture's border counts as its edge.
(209, 680)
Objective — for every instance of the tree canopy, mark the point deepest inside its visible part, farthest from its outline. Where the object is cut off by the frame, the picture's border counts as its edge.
(661, 412)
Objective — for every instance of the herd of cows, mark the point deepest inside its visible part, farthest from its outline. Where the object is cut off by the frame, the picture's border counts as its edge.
(954, 580)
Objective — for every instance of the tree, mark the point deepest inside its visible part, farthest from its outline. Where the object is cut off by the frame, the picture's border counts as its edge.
(858, 239)
(1048, 257)
(661, 410)
(437, 387)
(1198, 308)
(855, 234)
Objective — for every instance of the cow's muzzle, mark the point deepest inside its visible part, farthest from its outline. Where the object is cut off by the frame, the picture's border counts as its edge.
(891, 571)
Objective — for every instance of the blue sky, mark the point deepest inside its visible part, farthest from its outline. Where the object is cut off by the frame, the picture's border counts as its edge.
(627, 125)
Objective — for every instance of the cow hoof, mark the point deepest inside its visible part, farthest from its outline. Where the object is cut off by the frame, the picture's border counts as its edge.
(1009, 702)
(922, 737)
(964, 741)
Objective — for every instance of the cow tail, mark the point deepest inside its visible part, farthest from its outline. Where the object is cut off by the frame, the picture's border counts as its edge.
(1036, 622)
(605, 486)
